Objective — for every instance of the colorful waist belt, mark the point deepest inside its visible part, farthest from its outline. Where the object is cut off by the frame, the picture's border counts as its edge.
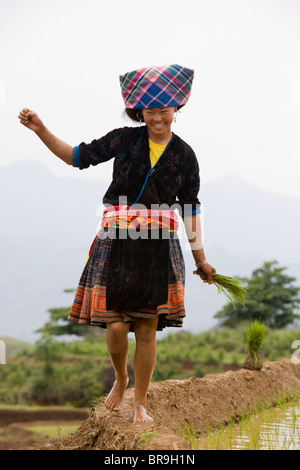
(125, 217)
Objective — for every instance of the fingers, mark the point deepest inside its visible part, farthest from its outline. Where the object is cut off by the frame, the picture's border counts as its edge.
(209, 270)
(24, 112)
(25, 116)
(207, 279)
(209, 276)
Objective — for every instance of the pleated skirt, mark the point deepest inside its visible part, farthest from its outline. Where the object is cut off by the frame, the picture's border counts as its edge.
(89, 304)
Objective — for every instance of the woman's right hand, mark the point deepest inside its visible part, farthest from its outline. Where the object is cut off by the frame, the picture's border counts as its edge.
(60, 148)
(30, 120)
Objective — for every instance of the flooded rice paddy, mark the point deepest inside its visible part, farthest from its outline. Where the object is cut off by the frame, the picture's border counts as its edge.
(273, 429)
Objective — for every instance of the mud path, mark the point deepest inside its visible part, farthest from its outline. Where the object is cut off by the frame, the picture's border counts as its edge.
(201, 403)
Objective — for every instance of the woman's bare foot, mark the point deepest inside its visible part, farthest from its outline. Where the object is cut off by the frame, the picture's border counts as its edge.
(140, 415)
(115, 398)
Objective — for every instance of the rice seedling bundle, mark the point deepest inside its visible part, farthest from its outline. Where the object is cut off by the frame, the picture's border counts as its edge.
(233, 289)
(254, 336)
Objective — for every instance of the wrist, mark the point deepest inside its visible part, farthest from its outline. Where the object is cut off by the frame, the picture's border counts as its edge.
(201, 263)
(40, 130)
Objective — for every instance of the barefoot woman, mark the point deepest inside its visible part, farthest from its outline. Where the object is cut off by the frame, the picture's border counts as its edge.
(134, 276)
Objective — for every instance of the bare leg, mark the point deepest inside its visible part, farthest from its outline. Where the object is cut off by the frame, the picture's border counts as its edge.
(144, 363)
(117, 344)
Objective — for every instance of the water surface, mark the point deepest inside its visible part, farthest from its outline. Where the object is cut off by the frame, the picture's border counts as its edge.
(273, 429)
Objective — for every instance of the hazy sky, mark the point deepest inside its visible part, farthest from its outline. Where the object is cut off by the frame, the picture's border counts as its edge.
(62, 58)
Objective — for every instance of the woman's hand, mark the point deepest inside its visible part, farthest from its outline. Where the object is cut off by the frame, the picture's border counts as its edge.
(207, 269)
(60, 148)
(30, 120)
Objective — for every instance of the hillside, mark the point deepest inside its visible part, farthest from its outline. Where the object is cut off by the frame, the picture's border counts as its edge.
(14, 346)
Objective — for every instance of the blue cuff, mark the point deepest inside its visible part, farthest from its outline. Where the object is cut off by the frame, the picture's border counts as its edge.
(75, 158)
(193, 212)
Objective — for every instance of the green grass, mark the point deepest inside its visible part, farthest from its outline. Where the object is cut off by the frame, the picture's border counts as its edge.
(146, 438)
(42, 431)
(50, 431)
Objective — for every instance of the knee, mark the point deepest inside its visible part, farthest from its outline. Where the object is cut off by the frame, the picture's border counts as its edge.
(145, 333)
(116, 331)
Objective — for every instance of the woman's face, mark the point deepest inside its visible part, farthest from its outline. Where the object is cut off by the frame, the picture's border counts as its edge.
(159, 121)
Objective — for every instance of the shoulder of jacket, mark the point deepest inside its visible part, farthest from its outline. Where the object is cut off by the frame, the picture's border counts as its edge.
(120, 130)
(188, 150)
(127, 132)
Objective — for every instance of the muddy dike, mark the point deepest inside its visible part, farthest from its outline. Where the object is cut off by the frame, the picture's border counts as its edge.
(201, 404)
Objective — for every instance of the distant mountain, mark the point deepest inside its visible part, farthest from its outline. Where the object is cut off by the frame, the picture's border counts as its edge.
(246, 219)
(48, 224)
(14, 346)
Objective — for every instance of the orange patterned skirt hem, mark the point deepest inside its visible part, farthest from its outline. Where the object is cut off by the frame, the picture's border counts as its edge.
(89, 305)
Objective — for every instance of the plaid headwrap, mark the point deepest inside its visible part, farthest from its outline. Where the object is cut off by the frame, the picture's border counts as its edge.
(157, 87)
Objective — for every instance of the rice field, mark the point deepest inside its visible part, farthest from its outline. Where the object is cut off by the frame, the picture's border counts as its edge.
(273, 429)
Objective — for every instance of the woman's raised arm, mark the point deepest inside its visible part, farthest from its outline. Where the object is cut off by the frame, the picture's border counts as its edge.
(61, 149)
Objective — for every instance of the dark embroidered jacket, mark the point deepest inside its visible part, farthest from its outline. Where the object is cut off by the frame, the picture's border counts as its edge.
(173, 180)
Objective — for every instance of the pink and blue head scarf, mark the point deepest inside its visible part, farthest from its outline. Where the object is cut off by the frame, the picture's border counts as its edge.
(156, 87)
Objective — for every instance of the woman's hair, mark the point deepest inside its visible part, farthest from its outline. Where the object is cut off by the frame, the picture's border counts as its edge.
(134, 114)
(137, 116)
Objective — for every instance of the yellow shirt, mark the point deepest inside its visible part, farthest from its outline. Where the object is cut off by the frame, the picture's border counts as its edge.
(155, 151)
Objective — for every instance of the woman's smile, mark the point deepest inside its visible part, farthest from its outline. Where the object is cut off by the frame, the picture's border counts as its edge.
(159, 121)
(158, 125)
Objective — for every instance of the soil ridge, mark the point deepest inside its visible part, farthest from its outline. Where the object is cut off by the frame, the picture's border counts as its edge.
(202, 404)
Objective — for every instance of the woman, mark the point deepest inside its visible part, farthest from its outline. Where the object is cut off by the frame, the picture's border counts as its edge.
(134, 277)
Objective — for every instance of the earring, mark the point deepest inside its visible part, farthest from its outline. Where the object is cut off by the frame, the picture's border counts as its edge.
(176, 114)
(140, 117)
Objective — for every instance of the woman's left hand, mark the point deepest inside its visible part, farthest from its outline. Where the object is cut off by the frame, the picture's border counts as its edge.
(208, 269)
